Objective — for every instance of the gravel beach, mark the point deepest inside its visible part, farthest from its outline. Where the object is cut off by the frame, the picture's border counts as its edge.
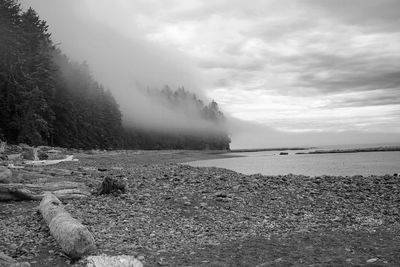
(177, 215)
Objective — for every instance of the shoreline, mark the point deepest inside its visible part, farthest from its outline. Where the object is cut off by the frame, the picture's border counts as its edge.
(200, 216)
(355, 150)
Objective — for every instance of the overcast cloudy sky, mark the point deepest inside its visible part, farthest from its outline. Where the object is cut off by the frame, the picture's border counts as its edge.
(297, 66)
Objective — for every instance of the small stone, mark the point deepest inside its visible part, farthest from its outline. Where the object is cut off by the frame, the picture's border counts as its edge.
(372, 260)
(221, 194)
(141, 258)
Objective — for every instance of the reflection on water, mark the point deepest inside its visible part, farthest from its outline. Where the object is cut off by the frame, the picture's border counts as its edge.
(346, 164)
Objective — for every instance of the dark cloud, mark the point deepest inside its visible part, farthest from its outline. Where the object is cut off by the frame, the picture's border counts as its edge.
(382, 98)
(237, 65)
(329, 73)
(376, 15)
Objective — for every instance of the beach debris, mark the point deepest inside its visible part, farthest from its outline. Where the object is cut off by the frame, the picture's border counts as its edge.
(113, 261)
(54, 151)
(113, 185)
(49, 162)
(12, 166)
(74, 238)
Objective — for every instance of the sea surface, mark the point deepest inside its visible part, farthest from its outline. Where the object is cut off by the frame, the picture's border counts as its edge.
(340, 164)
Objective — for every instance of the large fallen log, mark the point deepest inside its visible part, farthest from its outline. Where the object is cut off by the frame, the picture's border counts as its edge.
(63, 190)
(49, 162)
(74, 238)
(113, 261)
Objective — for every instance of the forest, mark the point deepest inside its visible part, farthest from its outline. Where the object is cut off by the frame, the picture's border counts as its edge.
(46, 99)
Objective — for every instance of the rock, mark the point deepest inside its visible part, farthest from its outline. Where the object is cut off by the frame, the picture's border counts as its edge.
(372, 260)
(5, 175)
(221, 194)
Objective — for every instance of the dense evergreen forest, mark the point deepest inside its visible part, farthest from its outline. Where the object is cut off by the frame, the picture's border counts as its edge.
(45, 99)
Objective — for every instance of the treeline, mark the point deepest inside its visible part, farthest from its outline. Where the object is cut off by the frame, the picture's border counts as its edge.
(45, 99)
(205, 131)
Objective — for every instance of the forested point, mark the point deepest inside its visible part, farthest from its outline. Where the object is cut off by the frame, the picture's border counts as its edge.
(45, 99)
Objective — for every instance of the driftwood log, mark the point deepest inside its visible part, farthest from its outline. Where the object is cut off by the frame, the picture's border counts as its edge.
(113, 261)
(62, 190)
(74, 238)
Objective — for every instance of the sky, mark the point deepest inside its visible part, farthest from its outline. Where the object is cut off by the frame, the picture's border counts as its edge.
(317, 70)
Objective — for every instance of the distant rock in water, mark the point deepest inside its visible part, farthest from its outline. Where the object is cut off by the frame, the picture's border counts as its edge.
(284, 153)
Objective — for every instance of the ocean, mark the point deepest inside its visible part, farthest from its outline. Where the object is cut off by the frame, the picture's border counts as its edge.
(340, 164)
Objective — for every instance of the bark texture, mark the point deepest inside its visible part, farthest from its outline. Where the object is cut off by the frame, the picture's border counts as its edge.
(74, 238)
(113, 261)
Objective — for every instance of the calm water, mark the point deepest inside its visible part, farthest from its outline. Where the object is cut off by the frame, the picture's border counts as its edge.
(346, 164)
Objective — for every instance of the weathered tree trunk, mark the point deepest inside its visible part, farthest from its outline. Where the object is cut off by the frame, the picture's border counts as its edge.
(112, 185)
(113, 261)
(74, 238)
(62, 190)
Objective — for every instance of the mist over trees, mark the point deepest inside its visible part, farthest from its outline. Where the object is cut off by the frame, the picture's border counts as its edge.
(45, 99)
